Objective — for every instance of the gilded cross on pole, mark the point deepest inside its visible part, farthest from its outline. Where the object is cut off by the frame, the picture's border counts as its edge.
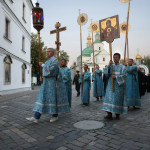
(57, 42)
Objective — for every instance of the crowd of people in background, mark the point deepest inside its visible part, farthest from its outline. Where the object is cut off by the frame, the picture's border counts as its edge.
(120, 87)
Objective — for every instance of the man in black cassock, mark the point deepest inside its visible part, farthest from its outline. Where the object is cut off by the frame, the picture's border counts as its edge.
(140, 77)
(105, 81)
(144, 83)
(148, 83)
(76, 82)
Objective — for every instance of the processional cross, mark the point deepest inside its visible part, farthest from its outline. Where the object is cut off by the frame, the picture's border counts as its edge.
(58, 29)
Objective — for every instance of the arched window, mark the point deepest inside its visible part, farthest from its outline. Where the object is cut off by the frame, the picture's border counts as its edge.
(7, 67)
(24, 67)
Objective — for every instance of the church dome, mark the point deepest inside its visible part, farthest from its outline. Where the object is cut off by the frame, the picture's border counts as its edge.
(97, 38)
(89, 37)
(138, 56)
(87, 51)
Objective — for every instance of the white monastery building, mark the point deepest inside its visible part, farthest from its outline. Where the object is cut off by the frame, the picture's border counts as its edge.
(15, 46)
(102, 57)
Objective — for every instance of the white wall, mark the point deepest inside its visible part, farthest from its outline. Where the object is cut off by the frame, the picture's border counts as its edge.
(16, 77)
(16, 7)
(18, 29)
(16, 33)
(97, 45)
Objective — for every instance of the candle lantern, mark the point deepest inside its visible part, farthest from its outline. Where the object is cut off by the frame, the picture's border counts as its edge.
(38, 18)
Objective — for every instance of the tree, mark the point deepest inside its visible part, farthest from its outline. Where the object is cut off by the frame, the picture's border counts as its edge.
(146, 61)
(121, 61)
(35, 54)
(63, 55)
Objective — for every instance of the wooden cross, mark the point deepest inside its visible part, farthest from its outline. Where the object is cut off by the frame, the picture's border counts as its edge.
(58, 29)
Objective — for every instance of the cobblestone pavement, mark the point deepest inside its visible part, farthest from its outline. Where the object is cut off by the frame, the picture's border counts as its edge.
(132, 132)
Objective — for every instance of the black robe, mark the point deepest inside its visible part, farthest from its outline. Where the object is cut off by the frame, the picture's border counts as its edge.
(144, 86)
(77, 84)
(105, 81)
(148, 83)
(140, 77)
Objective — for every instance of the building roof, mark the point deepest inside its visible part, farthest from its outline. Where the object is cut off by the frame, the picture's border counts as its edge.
(86, 52)
(97, 41)
(97, 38)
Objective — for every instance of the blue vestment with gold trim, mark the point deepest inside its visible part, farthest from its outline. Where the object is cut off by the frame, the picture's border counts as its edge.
(99, 89)
(132, 84)
(52, 98)
(85, 95)
(115, 102)
(66, 76)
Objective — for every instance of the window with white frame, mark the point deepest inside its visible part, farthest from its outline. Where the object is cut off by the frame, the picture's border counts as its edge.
(7, 67)
(23, 43)
(99, 48)
(23, 72)
(7, 28)
(103, 58)
(23, 11)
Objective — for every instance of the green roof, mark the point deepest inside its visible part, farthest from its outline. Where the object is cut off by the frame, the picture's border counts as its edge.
(97, 41)
(86, 52)
(97, 33)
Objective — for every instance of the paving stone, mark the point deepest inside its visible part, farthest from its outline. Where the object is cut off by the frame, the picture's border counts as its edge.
(114, 146)
(50, 137)
(89, 137)
(61, 148)
(18, 134)
(83, 140)
(30, 140)
(77, 143)
(73, 147)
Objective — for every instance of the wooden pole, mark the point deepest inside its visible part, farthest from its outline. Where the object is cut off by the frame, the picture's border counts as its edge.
(94, 62)
(127, 49)
(126, 40)
(39, 53)
(81, 56)
(110, 49)
(57, 39)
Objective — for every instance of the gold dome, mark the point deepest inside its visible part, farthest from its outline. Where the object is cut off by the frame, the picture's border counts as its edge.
(89, 38)
(138, 56)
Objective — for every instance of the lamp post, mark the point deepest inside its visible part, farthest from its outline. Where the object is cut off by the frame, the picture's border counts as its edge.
(38, 22)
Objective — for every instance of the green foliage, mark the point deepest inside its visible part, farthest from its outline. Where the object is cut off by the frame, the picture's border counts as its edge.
(122, 61)
(62, 55)
(35, 54)
(146, 61)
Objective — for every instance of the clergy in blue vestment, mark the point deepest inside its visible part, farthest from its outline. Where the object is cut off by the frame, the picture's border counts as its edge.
(114, 102)
(132, 85)
(52, 98)
(85, 89)
(66, 75)
(98, 90)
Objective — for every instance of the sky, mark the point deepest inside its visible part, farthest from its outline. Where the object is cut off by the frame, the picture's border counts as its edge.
(66, 12)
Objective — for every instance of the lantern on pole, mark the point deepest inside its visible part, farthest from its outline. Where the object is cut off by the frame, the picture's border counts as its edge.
(38, 22)
(38, 19)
